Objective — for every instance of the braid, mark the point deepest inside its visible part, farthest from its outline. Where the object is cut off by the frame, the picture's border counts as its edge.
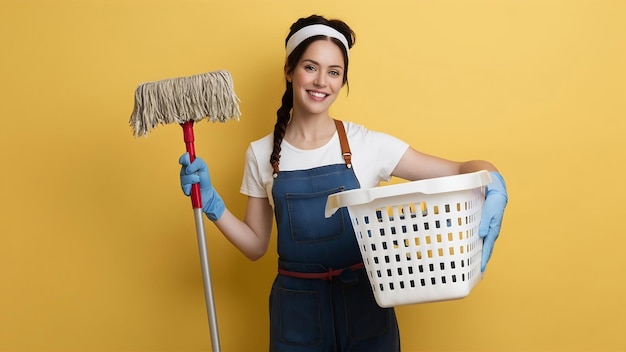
(283, 114)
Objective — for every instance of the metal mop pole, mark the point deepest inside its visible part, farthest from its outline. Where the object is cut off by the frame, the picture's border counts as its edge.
(206, 278)
(196, 202)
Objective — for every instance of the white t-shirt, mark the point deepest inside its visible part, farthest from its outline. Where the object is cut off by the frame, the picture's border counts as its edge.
(374, 156)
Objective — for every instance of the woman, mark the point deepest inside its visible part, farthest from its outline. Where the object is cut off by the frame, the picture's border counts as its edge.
(321, 299)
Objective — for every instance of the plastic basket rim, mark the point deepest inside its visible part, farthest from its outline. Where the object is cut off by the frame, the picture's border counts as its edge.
(435, 185)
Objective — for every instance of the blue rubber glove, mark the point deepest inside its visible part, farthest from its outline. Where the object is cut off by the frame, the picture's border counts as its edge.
(198, 172)
(492, 213)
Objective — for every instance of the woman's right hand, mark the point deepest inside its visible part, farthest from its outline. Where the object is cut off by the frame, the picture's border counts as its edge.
(198, 172)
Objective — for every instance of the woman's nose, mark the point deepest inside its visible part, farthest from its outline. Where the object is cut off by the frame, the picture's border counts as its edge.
(320, 80)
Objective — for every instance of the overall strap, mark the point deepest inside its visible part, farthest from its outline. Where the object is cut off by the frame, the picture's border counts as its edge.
(343, 140)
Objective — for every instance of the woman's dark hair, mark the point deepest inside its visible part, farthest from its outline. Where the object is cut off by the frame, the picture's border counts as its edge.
(284, 112)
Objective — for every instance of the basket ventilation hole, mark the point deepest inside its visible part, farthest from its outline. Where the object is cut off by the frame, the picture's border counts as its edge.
(413, 210)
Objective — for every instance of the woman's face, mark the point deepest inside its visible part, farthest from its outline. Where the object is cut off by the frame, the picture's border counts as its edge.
(317, 78)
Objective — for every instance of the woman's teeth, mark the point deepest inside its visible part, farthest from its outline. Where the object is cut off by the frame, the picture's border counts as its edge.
(317, 94)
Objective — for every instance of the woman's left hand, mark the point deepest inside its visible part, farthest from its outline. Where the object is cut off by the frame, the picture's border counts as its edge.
(492, 213)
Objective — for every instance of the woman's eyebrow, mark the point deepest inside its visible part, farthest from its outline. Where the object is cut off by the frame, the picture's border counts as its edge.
(318, 64)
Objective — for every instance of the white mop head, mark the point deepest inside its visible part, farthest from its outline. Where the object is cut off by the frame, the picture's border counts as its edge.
(177, 100)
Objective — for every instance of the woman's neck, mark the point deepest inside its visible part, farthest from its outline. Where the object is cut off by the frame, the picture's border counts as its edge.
(310, 132)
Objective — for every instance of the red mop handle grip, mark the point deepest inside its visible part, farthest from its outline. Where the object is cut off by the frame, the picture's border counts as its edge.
(196, 199)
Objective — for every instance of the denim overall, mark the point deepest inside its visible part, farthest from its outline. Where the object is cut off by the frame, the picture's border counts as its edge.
(321, 300)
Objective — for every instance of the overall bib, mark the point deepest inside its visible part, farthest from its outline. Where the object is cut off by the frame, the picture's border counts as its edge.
(321, 300)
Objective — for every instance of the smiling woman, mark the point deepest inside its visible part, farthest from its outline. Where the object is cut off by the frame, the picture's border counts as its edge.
(321, 299)
(316, 82)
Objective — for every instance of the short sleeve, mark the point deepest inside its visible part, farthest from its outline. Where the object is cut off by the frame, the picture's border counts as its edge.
(252, 183)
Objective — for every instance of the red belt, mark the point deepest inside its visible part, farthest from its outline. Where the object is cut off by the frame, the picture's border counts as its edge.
(328, 275)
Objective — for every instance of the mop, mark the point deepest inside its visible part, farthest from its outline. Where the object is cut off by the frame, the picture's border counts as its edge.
(183, 101)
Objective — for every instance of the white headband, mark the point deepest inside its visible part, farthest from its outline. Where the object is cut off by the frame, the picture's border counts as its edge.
(313, 30)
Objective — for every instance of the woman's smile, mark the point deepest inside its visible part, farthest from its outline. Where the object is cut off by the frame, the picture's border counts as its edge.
(317, 94)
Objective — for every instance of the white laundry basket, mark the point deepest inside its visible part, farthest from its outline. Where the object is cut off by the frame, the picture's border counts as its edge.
(419, 240)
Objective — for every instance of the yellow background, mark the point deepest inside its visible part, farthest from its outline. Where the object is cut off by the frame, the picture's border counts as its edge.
(97, 244)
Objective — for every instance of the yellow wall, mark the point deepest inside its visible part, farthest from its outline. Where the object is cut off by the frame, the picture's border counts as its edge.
(97, 244)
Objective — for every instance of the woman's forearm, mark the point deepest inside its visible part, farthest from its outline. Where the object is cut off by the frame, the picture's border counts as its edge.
(252, 235)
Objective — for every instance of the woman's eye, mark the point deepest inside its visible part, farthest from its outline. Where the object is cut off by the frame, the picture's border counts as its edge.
(334, 73)
(309, 68)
